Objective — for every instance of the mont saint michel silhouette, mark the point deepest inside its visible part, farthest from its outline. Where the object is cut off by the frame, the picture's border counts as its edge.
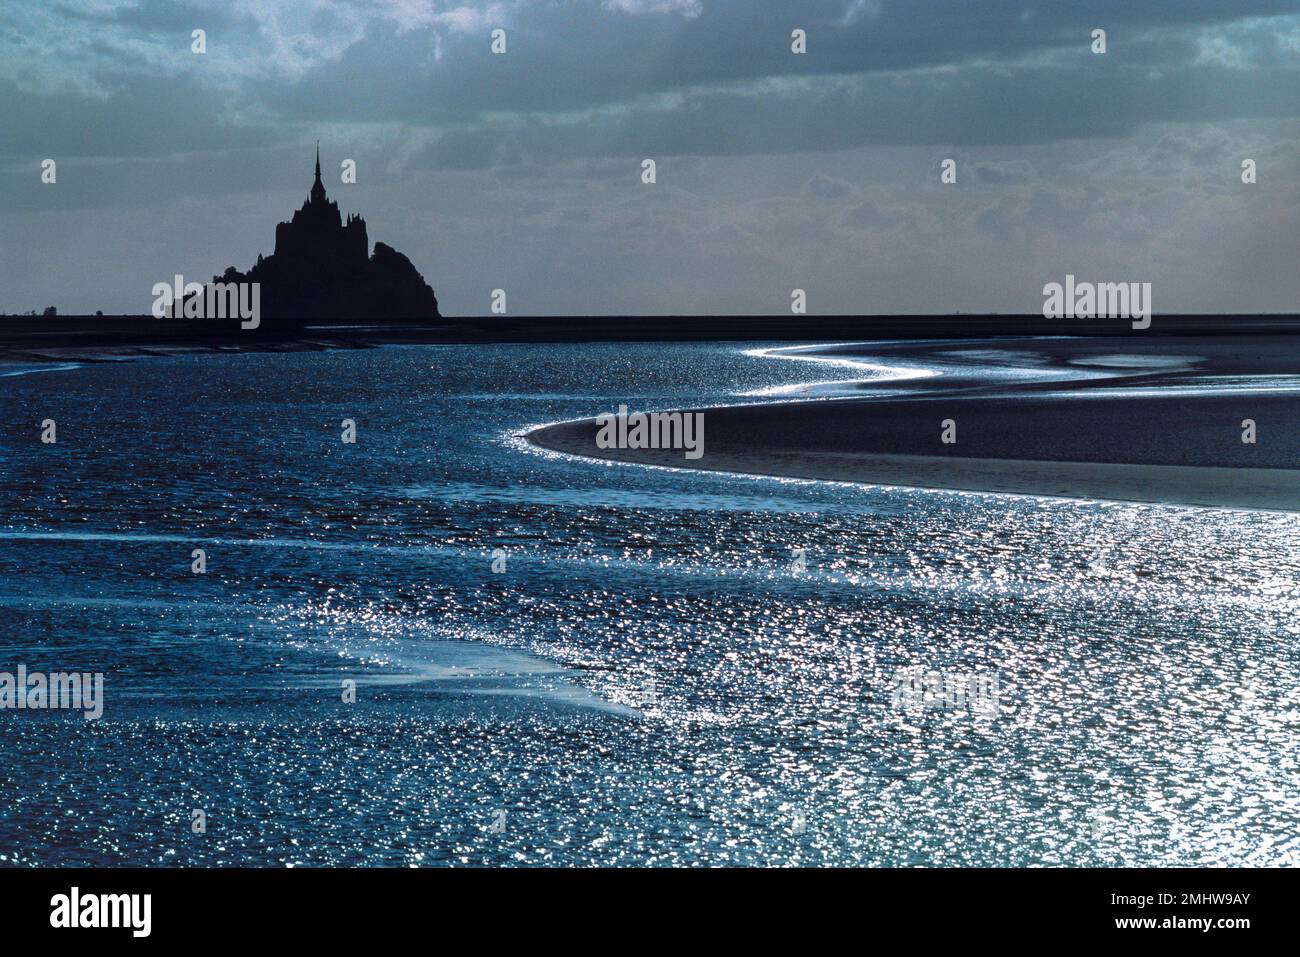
(322, 269)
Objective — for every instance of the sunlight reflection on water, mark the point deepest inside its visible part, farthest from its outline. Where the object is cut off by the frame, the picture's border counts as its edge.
(1148, 683)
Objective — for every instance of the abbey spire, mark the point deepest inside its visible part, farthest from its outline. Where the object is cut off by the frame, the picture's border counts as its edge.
(318, 188)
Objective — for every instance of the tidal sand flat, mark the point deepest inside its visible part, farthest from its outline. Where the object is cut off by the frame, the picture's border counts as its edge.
(1195, 421)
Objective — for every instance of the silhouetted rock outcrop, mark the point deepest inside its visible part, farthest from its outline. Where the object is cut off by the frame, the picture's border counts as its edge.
(321, 269)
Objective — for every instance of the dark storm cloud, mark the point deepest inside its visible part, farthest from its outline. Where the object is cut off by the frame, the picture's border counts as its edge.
(143, 116)
(720, 82)
(579, 56)
(577, 82)
(1036, 105)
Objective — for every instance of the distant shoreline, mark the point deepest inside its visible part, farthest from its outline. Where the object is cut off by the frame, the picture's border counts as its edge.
(87, 338)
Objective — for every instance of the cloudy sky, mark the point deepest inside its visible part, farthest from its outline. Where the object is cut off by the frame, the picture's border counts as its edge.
(522, 171)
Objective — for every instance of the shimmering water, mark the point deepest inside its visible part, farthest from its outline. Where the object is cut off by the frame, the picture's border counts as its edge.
(1148, 682)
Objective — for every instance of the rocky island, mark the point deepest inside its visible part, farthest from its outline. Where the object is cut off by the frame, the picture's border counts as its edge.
(322, 268)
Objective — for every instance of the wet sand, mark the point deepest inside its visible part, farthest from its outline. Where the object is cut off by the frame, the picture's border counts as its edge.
(1140, 420)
